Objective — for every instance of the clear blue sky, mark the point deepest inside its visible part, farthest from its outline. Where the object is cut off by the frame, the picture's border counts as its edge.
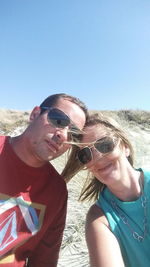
(97, 50)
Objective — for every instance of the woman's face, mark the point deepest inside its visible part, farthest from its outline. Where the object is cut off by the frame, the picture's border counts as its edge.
(106, 167)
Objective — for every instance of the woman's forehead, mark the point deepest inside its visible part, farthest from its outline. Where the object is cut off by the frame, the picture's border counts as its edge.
(92, 133)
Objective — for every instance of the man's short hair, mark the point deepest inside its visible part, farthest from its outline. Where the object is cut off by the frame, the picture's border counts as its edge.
(51, 101)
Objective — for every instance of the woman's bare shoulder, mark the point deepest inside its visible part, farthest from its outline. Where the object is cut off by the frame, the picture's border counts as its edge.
(96, 215)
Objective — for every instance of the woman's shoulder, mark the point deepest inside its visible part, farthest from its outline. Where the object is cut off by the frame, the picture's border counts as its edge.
(96, 216)
(146, 174)
(145, 171)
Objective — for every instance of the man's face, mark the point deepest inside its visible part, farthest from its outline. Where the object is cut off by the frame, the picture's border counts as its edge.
(46, 141)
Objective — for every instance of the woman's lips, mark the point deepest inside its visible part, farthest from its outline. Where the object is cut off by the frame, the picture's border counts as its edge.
(105, 168)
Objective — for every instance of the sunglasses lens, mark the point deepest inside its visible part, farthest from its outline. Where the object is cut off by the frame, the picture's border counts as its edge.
(58, 118)
(84, 155)
(105, 145)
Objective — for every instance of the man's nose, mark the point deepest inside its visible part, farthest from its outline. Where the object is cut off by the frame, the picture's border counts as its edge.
(62, 134)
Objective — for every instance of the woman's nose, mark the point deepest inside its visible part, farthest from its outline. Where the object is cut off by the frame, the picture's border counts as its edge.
(96, 154)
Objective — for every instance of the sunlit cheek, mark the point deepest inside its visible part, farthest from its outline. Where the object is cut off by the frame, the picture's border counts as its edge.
(117, 152)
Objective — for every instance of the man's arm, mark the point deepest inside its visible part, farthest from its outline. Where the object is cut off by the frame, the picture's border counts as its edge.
(104, 250)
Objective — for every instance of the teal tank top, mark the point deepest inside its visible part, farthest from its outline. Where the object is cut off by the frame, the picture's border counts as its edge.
(136, 253)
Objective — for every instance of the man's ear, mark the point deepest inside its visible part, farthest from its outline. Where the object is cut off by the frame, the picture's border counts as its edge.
(35, 113)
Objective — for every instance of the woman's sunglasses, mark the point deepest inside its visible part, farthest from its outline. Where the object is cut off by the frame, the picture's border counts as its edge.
(104, 145)
(61, 120)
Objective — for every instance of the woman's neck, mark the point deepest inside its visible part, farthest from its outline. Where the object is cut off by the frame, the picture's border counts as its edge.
(131, 187)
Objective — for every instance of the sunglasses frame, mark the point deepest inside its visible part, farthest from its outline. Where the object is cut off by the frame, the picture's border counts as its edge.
(114, 143)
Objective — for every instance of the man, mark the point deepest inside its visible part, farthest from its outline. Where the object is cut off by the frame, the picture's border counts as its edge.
(33, 196)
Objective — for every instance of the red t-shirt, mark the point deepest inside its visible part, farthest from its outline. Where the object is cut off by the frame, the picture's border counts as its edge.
(32, 211)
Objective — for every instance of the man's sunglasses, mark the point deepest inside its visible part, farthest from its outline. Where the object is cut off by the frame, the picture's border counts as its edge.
(61, 120)
(104, 145)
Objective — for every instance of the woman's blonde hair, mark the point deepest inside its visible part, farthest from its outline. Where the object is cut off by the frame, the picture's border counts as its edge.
(93, 186)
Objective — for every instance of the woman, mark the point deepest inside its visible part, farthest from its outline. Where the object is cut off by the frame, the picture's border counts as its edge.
(117, 225)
